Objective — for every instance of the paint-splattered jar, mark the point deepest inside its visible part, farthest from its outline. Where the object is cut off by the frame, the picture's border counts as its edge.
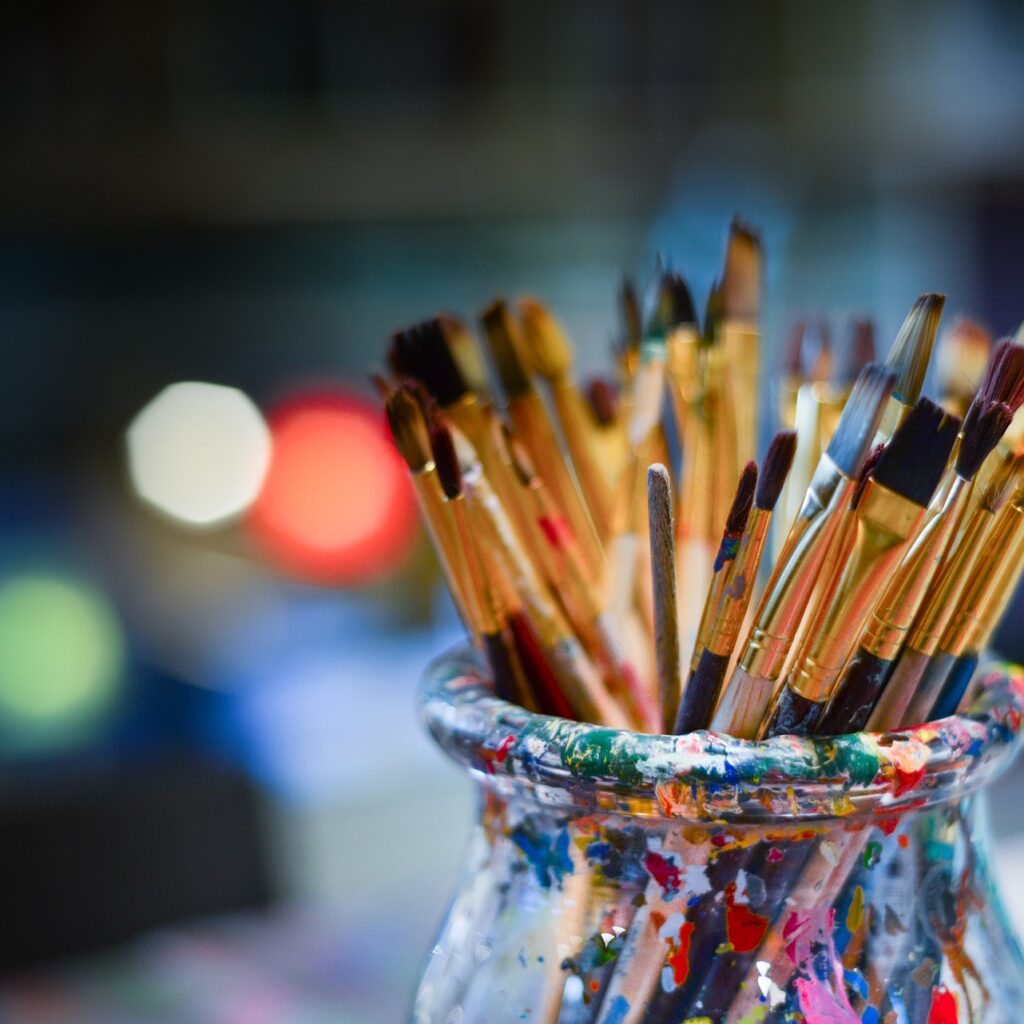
(615, 877)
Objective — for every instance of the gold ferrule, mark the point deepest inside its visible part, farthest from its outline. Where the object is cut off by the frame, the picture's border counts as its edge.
(681, 357)
(893, 415)
(740, 344)
(796, 572)
(940, 604)
(885, 522)
(740, 584)
(984, 581)
(888, 624)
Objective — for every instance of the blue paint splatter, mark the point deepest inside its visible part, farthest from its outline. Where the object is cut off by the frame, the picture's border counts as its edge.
(549, 858)
(870, 1016)
(618, 1011)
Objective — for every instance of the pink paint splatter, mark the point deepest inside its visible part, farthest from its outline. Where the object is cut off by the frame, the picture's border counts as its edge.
(665, 872)
(774, 855)
(822, 1000)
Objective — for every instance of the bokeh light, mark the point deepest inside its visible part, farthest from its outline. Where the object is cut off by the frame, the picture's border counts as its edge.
(199, 452)
(62, 654)
(336, 505)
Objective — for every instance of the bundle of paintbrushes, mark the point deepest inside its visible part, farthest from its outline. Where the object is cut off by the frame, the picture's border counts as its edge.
(606, 546)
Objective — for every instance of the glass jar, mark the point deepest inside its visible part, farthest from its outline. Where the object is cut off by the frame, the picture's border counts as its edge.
(615, 877)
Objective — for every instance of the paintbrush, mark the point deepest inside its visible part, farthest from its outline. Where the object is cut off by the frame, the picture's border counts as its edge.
(961, 357)
(700, 695)
(551, 357)
(631, 327)
(740, 335)
(869, 670)
(889, 513)
(908, 359)
(533, 427)
(663, 575)
(578, 680)
(980, 590)
(905, 697)
(732, 715)
(799, 564)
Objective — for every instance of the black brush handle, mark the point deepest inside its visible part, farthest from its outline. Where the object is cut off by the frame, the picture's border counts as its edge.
(794, 715)
(700, 697)
(853, 701)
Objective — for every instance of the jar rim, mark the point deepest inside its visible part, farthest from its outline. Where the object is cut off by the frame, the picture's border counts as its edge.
(705, 776)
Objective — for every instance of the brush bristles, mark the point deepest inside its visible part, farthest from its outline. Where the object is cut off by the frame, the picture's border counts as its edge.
(714, 313)
(465, 352)
(1002, 483)
(741, 279)
(506, 347)
(859, 420)
(981, 431)
(775, 469)
(861, 349)
(916, 457)
(961, 357)
(601, 397)
(442, 445)
(673, 306)
(549, 350)
(739, 512)
(421, 351)
(912, 348)
(792, 362)
(1004, 377)
(866, 472)
(408, 427)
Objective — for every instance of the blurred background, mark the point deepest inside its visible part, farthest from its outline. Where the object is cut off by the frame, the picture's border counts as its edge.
(216, 801)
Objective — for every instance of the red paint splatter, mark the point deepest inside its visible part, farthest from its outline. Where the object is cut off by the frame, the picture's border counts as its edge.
(888, 825)
(719, 840)
(664, 871)
(774, 855)
(743, 927)
(556, 530)
(657, 920)
(595, 985)
(943, 1008)
(503, 748)
(679, 956)
(906, 780)
(904, 841)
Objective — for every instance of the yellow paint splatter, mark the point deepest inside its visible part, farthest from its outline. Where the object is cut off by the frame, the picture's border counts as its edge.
(855, 915)
(757, 1014)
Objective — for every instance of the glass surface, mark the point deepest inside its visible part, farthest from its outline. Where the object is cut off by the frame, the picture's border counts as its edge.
(616, 877)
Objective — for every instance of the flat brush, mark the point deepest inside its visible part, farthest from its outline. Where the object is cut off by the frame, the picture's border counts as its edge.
(904, 697)
(869, 670)
(891, 509)
(908, 359)
(551, 357)
(530, 419)
(663, 575)
(733, 714)
(799, 564)
(700, 695)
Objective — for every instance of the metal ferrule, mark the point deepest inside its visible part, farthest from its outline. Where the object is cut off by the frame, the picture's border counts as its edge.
(885, 522)
(740, 584)
(888, 624)
(792, 582)
(937, 611)
(984, 581)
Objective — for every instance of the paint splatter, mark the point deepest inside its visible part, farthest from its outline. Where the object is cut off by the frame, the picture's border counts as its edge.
(774, 855)
(743, 928)
(872, 853)
(943, 1008)
(617, 1012)
(665, 872)
(548, 857)
(893, 924)
(679, 954)
(855, 915)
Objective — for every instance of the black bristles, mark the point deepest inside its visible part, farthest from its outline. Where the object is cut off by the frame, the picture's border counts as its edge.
(442, 447)
(915, 459)
(739, 228)
(739, 512)
(506, 349)
(983, 427)
(912, 348)
(1004, 377)
(632, 317)
(714, 313)
(422, 352)
(859, 421)
(673, 305)
(866, 472)
(775, 469)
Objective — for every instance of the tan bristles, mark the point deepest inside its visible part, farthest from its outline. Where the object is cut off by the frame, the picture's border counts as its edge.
(549, 351)
(409, 427)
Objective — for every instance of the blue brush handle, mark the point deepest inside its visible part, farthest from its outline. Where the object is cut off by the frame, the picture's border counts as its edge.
(955, 686)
